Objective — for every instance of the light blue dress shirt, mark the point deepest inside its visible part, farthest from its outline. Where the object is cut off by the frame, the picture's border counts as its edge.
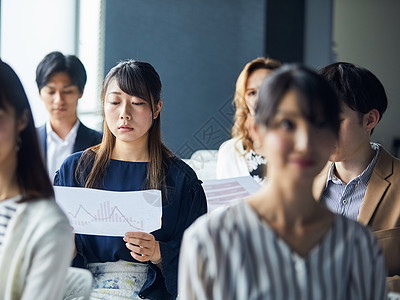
(346, 199)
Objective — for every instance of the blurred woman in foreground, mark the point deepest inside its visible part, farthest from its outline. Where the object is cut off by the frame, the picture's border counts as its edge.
(280, 243)
(35, 236)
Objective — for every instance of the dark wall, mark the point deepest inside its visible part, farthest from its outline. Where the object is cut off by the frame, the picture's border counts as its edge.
(199, 48)
(285, 30)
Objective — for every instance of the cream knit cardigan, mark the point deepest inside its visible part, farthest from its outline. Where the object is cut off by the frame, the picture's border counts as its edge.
(37, 251)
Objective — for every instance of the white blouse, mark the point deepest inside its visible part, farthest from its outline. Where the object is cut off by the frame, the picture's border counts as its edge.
(233, 161)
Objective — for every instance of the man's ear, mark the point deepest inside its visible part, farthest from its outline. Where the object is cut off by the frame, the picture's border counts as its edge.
(157, 109)
(371, 119)
(22, 121)
(81, 93)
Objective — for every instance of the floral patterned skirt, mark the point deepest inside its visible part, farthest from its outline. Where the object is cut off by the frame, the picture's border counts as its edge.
(117, 280)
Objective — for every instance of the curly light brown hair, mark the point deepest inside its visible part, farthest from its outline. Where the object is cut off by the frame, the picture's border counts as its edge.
(239, 129)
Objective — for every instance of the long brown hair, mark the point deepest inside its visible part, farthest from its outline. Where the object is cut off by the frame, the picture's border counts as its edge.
(141, 80)
(239, 129)
(32, 176)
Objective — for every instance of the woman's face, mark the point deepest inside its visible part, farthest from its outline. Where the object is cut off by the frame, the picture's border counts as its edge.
(9, 131)
(60, 97)
(295, 148)
(253, 84)
(129, 118)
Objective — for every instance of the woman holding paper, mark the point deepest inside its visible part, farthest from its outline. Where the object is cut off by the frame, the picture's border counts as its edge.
(35, 236)
(132, 157)
(280, 243)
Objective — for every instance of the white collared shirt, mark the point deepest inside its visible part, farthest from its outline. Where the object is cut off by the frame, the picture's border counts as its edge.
(59, 149)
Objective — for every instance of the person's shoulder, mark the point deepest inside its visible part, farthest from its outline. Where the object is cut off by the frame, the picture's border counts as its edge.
(357, 242)
(90, 131)
(230, 144)
(47, 209)
(41, 131)
(43, 205)
(206, 226)
(394, 159)
(41, 127)
(230, 149)
(69, 164)
(73, 159)
(227, 220)
(353, 230)
(387, 164)
(66, 175)
(176, 166)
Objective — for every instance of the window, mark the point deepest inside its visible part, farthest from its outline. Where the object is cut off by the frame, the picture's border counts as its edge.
(32, 29)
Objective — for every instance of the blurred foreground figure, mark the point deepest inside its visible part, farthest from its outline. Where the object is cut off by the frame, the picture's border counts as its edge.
(280, 243)
(35, 236)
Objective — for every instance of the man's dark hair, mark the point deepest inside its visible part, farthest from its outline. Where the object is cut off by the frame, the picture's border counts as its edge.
(56, 62)
(357, 87)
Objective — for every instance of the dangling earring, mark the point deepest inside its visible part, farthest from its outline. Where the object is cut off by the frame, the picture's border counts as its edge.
(19, 144)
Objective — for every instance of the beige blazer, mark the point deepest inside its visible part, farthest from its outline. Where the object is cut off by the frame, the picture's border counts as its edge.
(380, 209)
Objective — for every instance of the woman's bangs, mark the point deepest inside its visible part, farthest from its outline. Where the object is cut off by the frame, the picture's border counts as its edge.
(317, 111)
(133, 84)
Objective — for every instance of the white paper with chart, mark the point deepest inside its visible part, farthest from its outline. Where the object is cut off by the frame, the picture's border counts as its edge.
(99, 212)
(222, 192)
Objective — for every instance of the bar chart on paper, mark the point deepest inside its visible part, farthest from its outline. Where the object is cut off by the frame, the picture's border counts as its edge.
(105, 214)
(109, 213)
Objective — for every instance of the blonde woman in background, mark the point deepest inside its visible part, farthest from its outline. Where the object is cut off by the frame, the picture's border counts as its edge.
(237, 156)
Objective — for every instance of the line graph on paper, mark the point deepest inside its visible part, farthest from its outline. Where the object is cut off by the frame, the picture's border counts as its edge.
(105, 214)
(99, 212)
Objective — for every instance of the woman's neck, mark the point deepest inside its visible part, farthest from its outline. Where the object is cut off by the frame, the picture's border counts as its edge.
(136, 152)
(293, 213)
(8, 184)
(285, 205)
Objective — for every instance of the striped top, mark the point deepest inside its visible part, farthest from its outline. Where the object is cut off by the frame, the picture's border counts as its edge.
(8, 208)
(232, 254)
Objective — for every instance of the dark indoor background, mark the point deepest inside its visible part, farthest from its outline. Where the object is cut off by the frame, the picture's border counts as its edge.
(199, 48)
